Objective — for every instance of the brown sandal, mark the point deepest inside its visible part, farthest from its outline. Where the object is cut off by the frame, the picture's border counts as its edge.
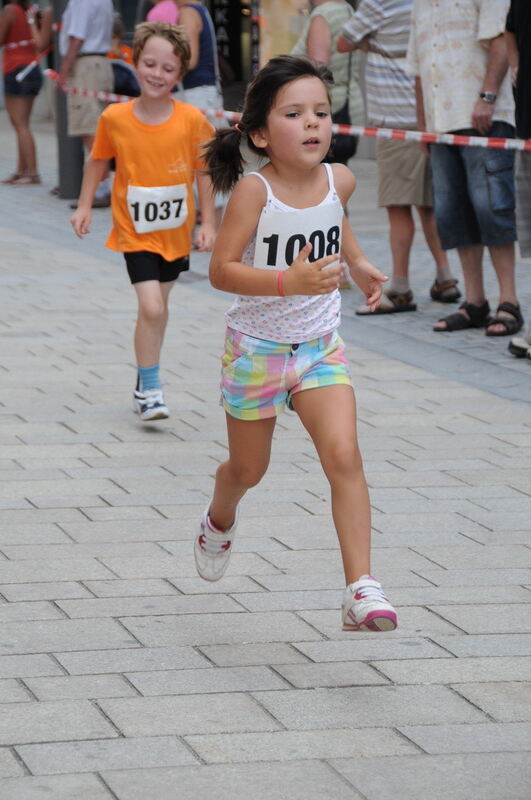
(446, 291)
(392, 303)
(11, 178)
(26, 180)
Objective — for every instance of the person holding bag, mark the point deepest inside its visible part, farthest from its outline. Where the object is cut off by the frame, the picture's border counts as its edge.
(319, 41)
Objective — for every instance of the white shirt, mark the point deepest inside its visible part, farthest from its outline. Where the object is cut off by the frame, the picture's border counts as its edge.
(448, 50)
(90, 20)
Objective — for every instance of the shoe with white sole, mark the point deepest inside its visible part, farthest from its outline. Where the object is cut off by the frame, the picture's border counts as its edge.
(212, 549)
(520, 346)
(150, 405)
(366, 608)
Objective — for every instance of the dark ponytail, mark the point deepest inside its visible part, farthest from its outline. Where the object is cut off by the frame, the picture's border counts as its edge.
(223, 159)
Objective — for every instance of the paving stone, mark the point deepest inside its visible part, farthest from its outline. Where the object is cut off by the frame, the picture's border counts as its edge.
(291, 745)
(65, 787)
(19, 612)
(206, 681)
(45, 533)
(337, 673)
(457, 670)
(478, 595)
(84, 687)
(487, 776)
(510, 556)
(52, 721)
(265, 781)
(62, 634)
(85, 550)
(488, 618)
(138, 606)
(413, 621)
(229, 584)
(476, 577)
(235, 655)
(16, 592)
(91, 662)
(375, 706)
(505, 702)
(131, 588)
(357, 649)
(288, 601)
(28, 666)
(197, 629)
(134, 754)
(326, 560)
(485, 738)
(12, 691)
(9, 766)
(52, 570)
(179, 715)
(509, 644)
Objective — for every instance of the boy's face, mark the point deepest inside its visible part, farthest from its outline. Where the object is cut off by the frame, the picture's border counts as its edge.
(158, 68)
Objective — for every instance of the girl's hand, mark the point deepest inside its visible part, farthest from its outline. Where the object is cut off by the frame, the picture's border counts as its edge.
(307, 277)
(370, 280)
(80, 221)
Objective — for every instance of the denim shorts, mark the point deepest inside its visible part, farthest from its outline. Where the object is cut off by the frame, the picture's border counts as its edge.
(29, 86)
(259, 377)
(473, 192)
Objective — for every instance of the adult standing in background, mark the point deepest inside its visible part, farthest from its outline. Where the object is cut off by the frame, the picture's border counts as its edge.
(201, 85)
(518, 39)
(84, 41)
(318, 40)
(381, 28)
(458, 55)
(20, 50)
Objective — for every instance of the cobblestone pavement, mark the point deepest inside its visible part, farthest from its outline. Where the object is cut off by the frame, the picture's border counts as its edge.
(123, 675)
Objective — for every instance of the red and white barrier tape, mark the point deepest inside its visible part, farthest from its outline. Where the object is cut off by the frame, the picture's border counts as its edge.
(496, 143)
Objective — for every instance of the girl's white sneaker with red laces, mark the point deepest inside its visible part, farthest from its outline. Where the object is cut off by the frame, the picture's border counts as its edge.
(212, 549)
(366, 608)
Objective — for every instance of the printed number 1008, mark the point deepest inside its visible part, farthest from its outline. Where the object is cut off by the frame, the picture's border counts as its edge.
(322, 245)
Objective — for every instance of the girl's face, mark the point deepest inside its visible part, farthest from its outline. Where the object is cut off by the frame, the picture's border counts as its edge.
(158, 68)
(299, 124)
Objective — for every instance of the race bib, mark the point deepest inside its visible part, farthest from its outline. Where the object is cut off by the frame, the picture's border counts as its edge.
(281, 235)
(157, 208)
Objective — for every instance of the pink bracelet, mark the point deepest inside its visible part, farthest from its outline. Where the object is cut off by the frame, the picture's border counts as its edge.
(280, 284)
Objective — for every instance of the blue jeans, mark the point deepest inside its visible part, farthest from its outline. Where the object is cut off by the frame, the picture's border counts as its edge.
(473, 192)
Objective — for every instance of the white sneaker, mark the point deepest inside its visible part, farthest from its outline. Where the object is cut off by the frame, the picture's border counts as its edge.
(366, 608)
(520, 346)
(150, 404)
(212, 550)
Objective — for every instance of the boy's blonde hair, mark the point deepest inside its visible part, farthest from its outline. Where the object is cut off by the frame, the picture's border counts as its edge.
(174, 34)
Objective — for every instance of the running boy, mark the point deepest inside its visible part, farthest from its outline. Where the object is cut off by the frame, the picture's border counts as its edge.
(279, 249)
(156, 142)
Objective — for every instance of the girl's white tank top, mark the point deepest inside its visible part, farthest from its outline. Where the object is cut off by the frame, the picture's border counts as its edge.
(281, 233)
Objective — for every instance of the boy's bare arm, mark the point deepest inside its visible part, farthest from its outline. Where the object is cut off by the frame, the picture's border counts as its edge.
(207, 229)
(93, 174)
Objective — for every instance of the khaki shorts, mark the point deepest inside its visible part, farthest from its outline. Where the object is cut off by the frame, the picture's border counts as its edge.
(404, 174)
(93, 73)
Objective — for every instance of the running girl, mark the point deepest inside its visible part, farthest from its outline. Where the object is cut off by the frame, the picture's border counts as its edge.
(279, 250)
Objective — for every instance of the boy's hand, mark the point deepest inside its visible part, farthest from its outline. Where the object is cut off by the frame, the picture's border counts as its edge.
(309, 278)
(370, 280)
(80, 221)
(205, 237)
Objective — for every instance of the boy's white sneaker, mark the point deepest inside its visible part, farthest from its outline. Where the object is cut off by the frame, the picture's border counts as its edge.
(150, 404)
(366, 608)
(212, 549)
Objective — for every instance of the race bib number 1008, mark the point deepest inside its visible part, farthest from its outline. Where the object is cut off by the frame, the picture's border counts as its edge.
(157, 208)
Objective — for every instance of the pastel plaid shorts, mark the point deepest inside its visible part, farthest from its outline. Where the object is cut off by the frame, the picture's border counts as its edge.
(259, 377)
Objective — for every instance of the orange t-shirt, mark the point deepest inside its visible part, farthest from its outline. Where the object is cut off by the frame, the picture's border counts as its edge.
(125, 54)
(161, 156)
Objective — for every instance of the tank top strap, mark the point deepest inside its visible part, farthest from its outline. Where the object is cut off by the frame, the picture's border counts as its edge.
(270, 195)
(331, 184)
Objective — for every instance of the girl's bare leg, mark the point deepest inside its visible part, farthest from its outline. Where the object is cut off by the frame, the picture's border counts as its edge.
(19, 110)
(249, 453)
(329, 415)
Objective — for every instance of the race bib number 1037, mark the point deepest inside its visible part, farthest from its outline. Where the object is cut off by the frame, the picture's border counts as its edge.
(157, 208)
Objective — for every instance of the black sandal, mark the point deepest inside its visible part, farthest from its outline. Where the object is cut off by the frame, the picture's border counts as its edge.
(511, 324)
(446, 291)
(392, 303)
(478, 317)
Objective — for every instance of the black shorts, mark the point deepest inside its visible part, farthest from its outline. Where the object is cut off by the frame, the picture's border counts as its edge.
(145, 266)
(29, 86)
